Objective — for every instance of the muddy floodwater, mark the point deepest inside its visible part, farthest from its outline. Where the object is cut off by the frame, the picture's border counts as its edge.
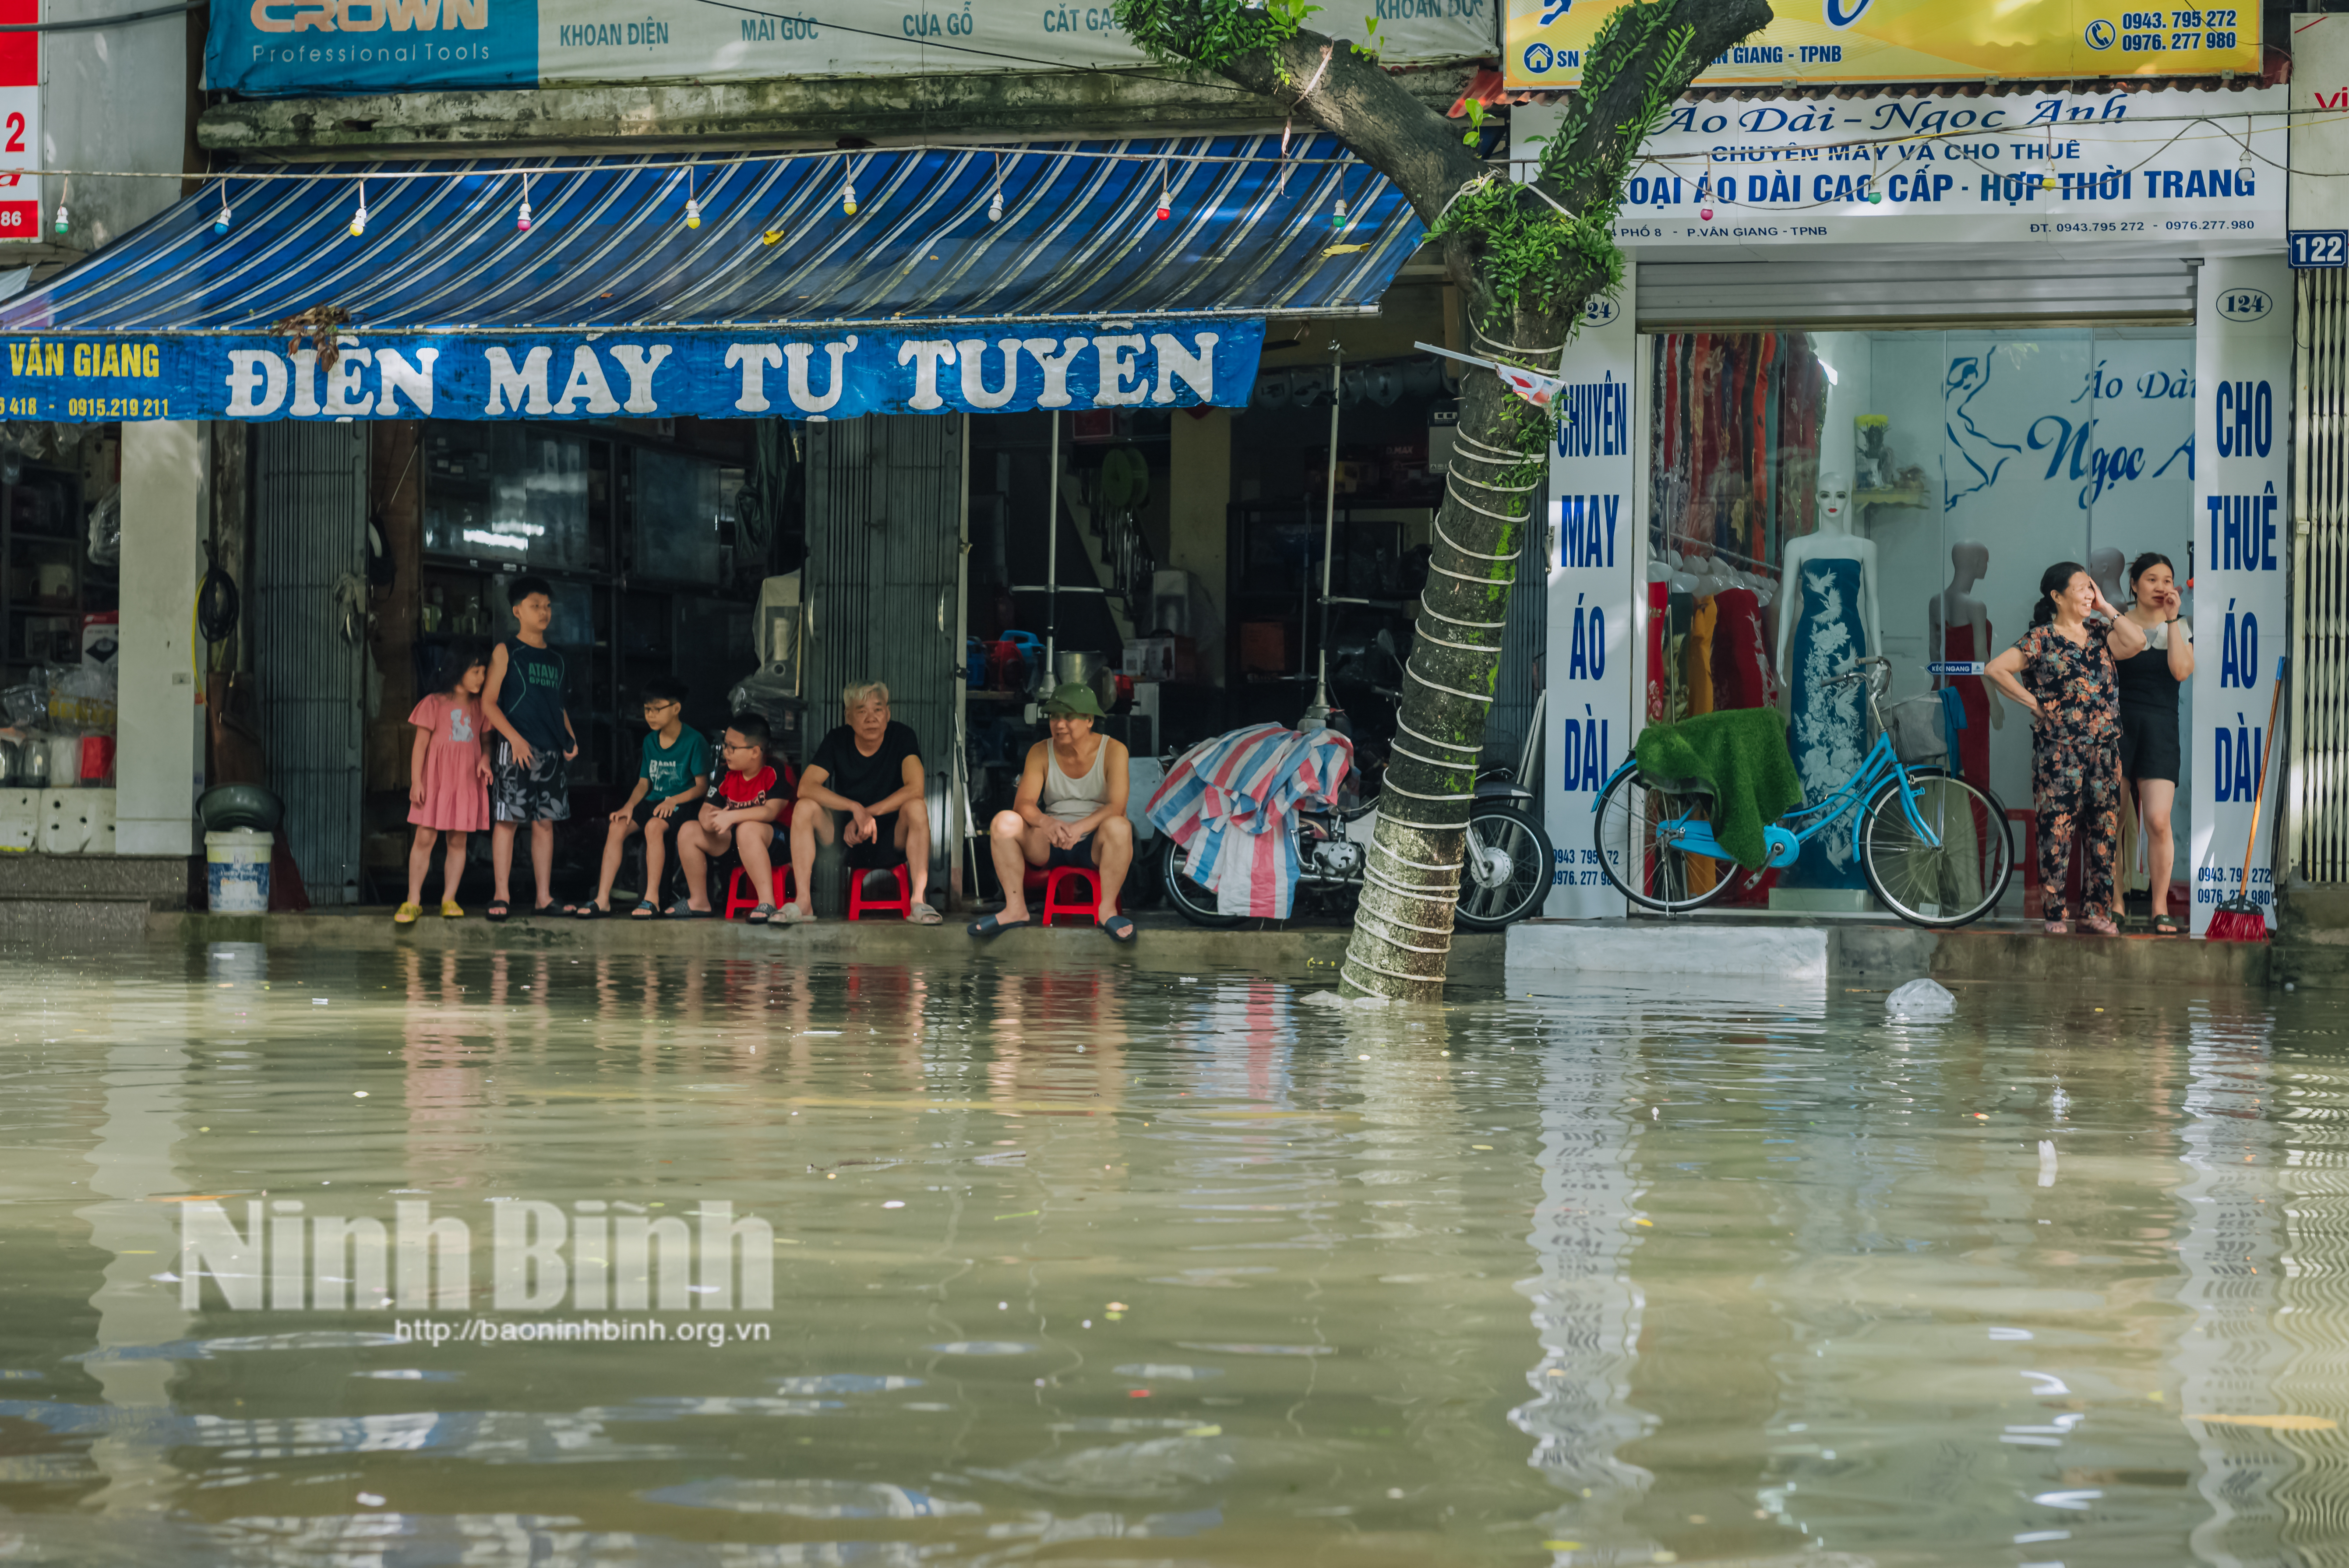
(402, 1258)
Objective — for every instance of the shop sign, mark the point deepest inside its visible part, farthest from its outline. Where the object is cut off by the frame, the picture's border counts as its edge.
(20, 121)
(722, 376)
(295, 47)
(1810, 41)
(1594, 542)
(2074, 168)
(2242, 545)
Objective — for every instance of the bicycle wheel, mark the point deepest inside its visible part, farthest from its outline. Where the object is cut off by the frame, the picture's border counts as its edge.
(1952, 878)
(1639, 848)
(1507, 869)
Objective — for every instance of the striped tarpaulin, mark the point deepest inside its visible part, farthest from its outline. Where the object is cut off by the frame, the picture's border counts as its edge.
(1231, 803)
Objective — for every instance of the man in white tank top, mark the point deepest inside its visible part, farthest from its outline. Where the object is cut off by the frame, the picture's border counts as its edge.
(1070, 812)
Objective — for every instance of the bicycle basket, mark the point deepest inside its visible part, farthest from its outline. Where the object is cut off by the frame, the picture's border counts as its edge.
(1917, 729)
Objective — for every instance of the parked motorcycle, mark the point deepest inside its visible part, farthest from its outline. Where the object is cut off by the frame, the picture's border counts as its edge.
(1505, 876)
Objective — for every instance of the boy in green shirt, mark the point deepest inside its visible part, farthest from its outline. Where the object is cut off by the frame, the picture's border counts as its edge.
(673, 774)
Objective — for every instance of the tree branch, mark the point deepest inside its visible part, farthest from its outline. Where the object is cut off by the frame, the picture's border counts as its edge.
(1602, 128)
(1372, 113)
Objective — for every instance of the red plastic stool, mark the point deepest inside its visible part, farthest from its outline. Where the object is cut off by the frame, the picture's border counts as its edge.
(1057, 877)
(739, 899)
(858, 903)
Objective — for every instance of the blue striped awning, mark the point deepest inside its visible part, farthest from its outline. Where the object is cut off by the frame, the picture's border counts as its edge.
(774, 279)
(608, 246)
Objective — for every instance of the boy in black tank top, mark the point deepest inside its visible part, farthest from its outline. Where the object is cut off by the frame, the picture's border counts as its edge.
(530, 762)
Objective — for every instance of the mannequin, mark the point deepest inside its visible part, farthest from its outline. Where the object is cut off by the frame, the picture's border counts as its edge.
(1832, 540)
(1959, 629)
(2107, 566)
(1829, 617)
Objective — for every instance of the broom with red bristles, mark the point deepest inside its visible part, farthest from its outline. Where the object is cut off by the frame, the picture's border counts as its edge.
(2238, 919)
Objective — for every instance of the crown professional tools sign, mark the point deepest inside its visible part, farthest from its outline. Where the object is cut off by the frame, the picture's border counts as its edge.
(291, 47)
(2069, 169)
(1594, 544)
(1544, 41)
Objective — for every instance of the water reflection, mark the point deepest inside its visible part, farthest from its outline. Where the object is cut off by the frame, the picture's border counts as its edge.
(1079, 1266)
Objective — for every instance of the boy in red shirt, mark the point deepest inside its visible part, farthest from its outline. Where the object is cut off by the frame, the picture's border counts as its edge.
(751, 797)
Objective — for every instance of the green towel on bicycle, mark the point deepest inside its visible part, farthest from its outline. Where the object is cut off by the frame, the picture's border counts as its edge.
(1739, 758)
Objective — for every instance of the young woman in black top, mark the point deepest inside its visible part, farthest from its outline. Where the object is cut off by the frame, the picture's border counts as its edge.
(2150, 747)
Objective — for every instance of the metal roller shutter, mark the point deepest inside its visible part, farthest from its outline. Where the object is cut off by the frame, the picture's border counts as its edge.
(1857, 286)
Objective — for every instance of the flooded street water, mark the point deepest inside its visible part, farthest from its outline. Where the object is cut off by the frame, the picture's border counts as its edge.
(1088, 1268)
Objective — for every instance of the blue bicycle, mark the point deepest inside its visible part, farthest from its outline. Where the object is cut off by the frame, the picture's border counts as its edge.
(1936, 850)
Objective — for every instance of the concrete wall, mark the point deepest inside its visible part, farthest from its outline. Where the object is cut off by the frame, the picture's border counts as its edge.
(1199, 493)
(157, 761)
(112, 97)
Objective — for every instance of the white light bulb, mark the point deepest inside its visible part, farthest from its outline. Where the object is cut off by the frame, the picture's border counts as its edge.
(995, 209)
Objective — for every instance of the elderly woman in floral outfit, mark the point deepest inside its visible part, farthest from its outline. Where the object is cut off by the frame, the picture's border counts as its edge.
(2062, 673)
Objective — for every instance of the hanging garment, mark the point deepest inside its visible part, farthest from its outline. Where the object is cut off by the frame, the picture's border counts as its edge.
(1697, 655)
(1668, 407)
(1691, 527)
(1680, 611)
(1974, 740)
(1231, 801)
(1741, 656)
(1659, 683)
(1767, 541)
(1828, 733)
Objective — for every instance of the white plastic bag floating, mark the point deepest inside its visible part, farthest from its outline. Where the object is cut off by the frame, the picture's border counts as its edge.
(1921, 999)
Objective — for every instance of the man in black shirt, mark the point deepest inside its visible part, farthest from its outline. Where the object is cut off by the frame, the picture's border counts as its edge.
(864, 785)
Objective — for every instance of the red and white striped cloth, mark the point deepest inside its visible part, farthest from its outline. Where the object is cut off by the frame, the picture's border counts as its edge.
(1232, 802)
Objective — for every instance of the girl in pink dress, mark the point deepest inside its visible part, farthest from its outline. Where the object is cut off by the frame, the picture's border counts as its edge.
(448, 789)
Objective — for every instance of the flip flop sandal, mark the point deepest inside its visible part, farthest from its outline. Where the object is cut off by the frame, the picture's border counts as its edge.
(987, 925)
(790, 914)
(498, 911)
(545, 910)
(2058, 928)
(923, 914)
(407, 913)
(593, 911)
(1120, 928)
(761, 915)
(646, 910)
(682, 910)
(451, 910)
(2167, 925)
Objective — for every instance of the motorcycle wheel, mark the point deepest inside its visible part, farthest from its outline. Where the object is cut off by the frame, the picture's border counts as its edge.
(1521, 886)
(1192, 901)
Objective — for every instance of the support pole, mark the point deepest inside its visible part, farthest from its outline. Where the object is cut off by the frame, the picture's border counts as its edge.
(1318, 715)
(1053, 562)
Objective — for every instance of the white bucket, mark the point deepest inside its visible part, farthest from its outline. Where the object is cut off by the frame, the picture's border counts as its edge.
(236, 871)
